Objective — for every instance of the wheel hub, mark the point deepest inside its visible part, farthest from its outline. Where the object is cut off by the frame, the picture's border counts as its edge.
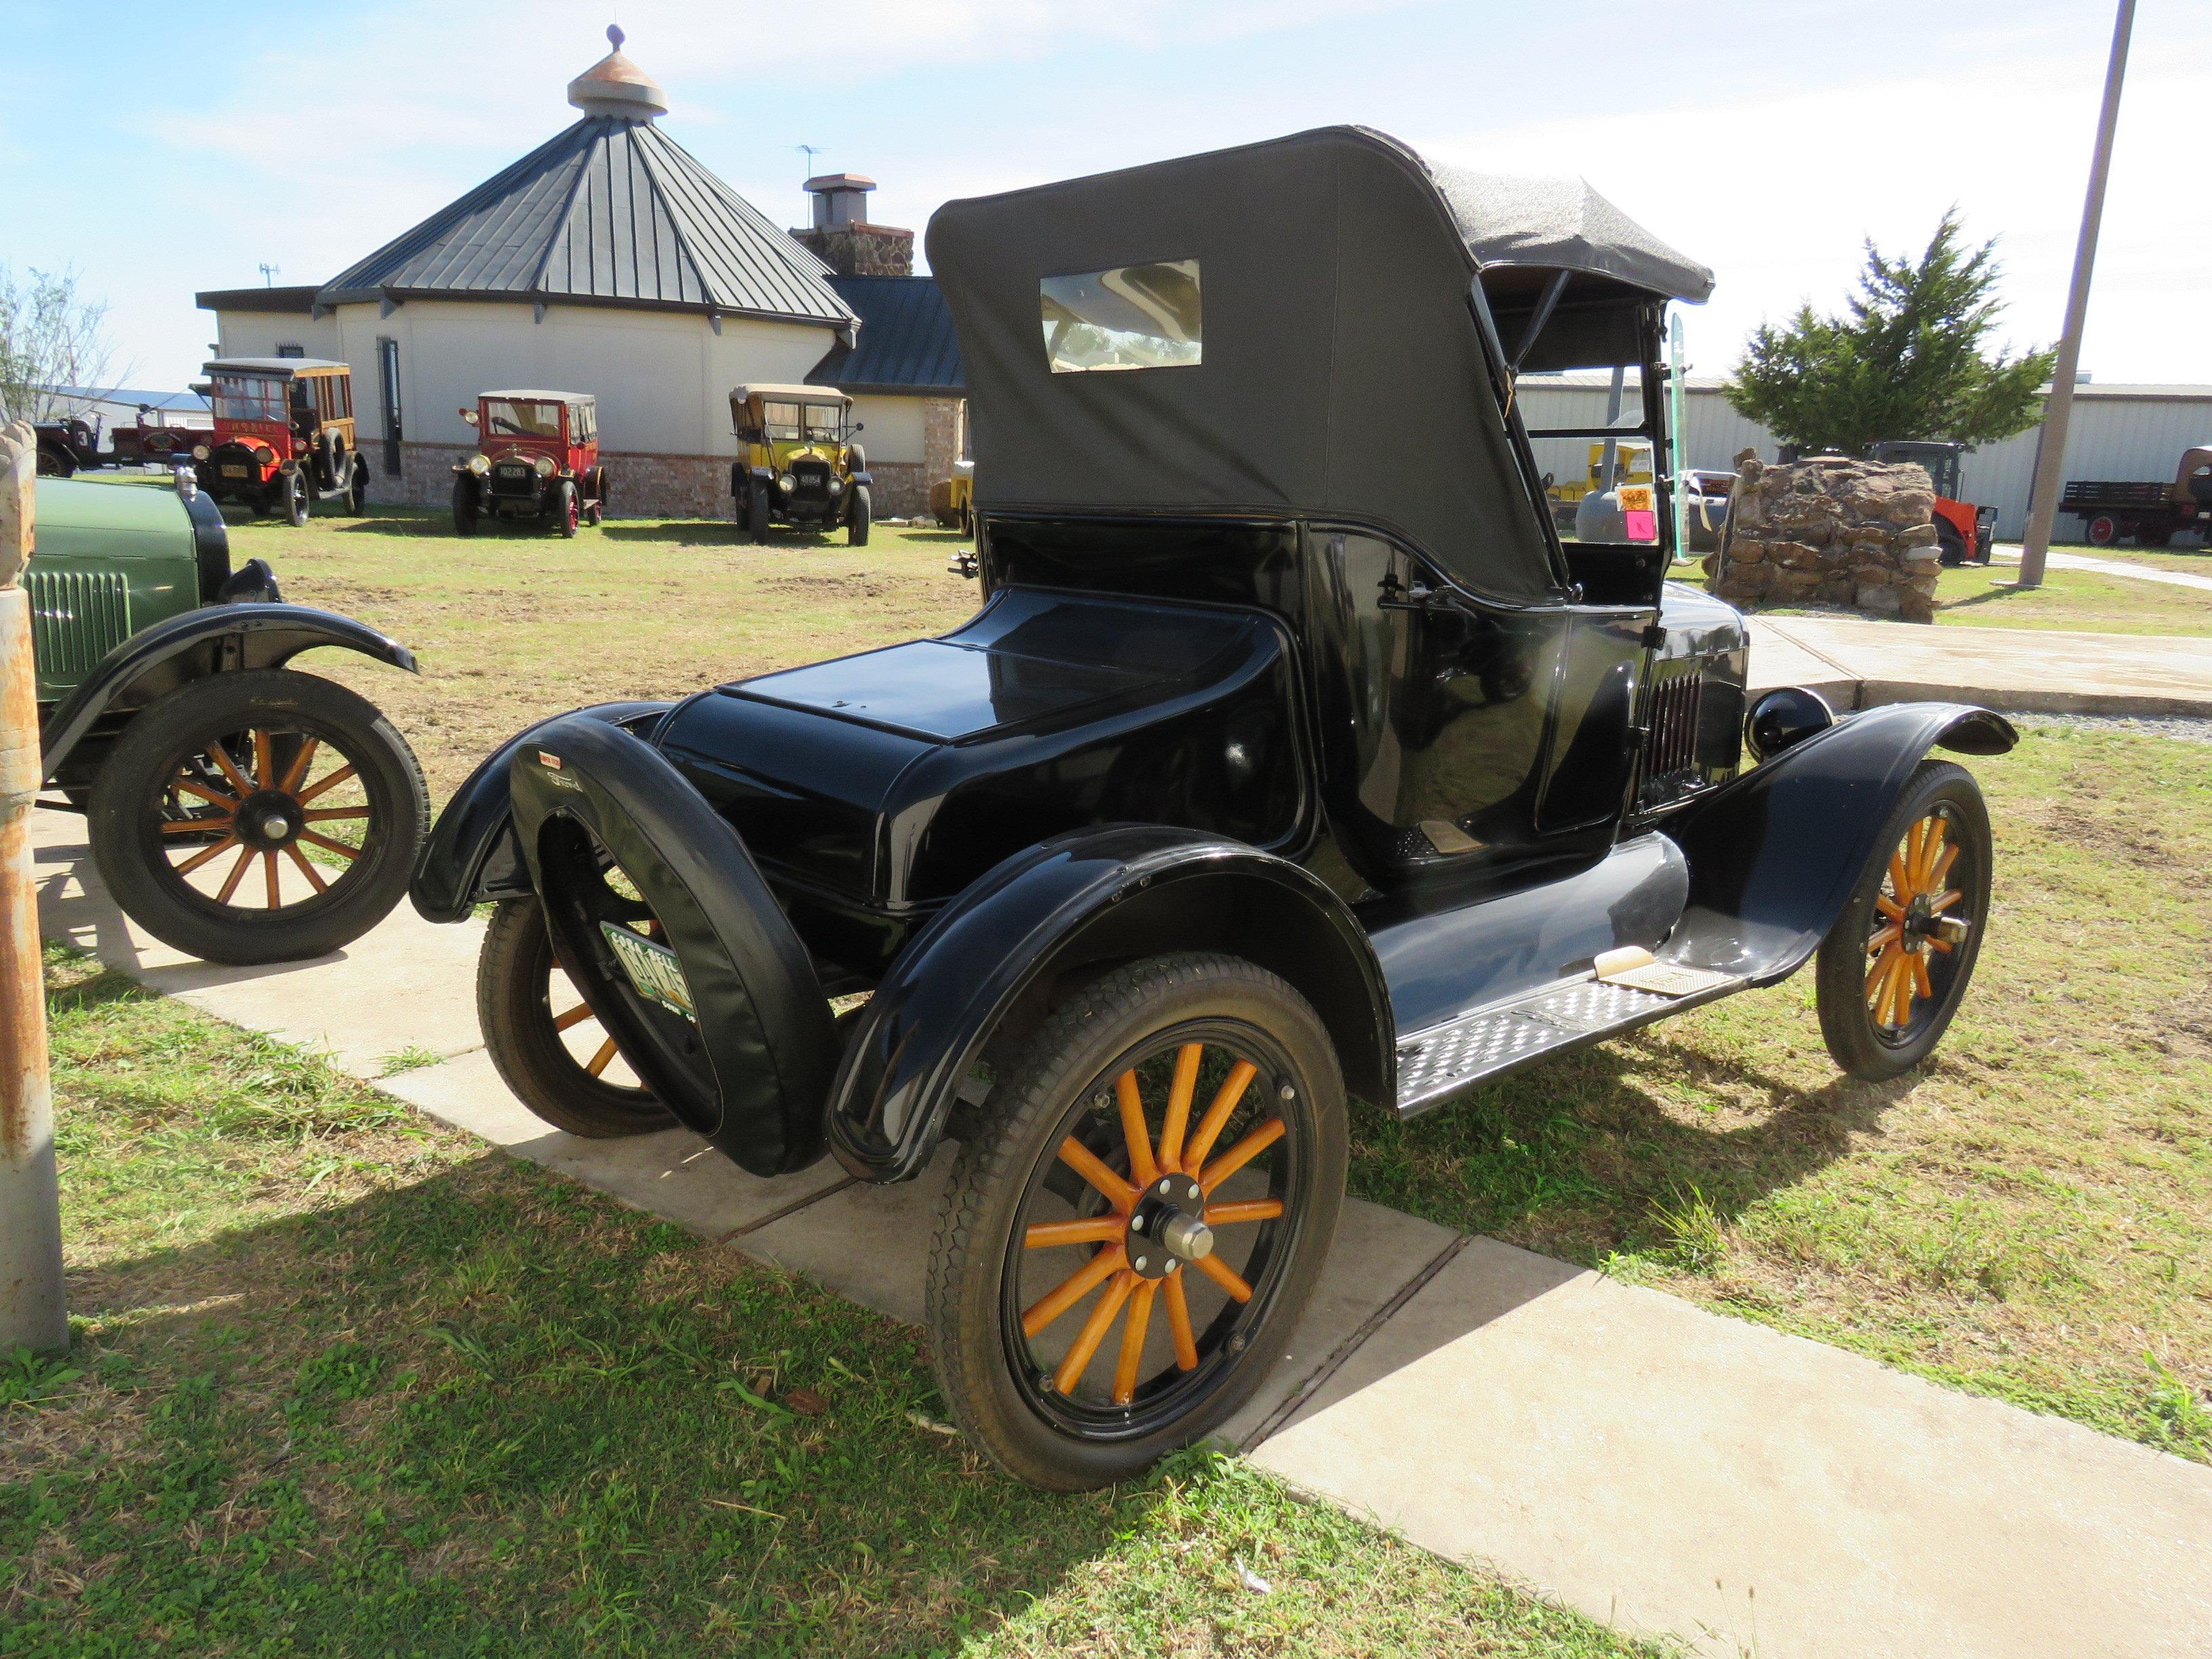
(269, 819)
(1167, 1227)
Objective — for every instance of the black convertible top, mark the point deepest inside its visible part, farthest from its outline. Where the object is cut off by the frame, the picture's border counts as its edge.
(1339, 372)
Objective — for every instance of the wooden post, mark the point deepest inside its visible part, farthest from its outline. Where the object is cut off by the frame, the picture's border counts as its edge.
(33, 1313)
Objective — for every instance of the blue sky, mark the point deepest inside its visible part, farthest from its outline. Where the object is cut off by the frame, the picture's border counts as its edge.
(158, 156)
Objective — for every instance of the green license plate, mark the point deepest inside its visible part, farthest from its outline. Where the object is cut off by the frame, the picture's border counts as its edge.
(653, 968)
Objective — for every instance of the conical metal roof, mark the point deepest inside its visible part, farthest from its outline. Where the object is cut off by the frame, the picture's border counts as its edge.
(610, 212)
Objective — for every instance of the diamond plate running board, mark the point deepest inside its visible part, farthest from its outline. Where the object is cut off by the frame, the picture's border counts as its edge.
(1446, 1059)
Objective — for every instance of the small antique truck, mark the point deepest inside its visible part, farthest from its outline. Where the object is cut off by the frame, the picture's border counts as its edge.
(1265, 776)
(797, 461)
(537, 458)
(239, 808)
(284, 436)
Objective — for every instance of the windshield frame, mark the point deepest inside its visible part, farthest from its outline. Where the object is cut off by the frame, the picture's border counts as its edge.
(269, 400)
(559, 417)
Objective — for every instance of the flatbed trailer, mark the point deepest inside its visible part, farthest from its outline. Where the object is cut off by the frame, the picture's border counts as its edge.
(2150, 511)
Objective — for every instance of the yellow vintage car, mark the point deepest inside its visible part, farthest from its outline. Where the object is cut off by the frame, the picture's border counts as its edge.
(797, 461)
(952, 501)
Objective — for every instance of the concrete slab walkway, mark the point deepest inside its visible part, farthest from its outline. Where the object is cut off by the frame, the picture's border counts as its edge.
(1860, 664)
(1654, 1464)
(2004, 553)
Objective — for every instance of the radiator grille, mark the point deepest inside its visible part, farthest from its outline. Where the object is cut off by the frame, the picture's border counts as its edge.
(1669, 759)
(77, 616)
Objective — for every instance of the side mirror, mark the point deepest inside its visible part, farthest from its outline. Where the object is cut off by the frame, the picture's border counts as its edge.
(470, 415)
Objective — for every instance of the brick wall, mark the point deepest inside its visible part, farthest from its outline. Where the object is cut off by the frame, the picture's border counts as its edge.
(862, 250)
(638, 485)
(900, 489)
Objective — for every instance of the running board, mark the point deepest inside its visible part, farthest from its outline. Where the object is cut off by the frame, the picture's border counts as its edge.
(1448, 1059)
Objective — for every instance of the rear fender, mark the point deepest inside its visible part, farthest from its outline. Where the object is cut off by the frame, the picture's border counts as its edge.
(215, 639)
(472, 855)
(751, 1070)
(985, 969)
(1774, 855)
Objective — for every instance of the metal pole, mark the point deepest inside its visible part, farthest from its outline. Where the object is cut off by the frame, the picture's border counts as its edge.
(32, 1312)
(2058, 411)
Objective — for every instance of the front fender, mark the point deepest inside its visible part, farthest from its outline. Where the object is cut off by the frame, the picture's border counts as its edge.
(472, 854)
(213, 639)
(1078, 901)
(1775, 854)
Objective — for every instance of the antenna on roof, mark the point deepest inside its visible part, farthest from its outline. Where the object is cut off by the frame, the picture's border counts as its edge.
(810, 151)
(270, 274)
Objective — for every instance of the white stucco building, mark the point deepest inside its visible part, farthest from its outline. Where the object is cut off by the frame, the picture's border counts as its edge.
(608, 260)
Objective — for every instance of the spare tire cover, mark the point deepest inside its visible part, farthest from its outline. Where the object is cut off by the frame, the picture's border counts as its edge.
(754, 1072)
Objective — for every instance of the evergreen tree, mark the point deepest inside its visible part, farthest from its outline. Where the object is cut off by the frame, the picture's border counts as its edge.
(1905, 360)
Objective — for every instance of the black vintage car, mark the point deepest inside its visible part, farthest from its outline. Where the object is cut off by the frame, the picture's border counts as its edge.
(1265, 776)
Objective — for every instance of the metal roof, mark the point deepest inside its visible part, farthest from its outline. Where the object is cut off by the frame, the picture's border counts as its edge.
(287, 367)
(610, 211)
(290, 298)
(907, 345)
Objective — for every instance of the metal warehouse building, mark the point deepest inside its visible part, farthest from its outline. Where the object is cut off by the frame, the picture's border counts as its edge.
(2117, 432)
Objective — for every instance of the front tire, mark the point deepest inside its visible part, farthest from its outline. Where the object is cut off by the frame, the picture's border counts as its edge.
(465, 506)
(206, 811)
(1174, 1091)
(1894, 970)
(558, 1061)
(297, 498)
(858, 517)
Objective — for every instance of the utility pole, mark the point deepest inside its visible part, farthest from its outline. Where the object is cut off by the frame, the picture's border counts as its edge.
(32, 1312)
(2058, 411)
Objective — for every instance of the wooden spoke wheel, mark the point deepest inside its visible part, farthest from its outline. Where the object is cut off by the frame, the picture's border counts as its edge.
(543, 1036)
(1138, 1220)
(1894, 968)
(259, 817)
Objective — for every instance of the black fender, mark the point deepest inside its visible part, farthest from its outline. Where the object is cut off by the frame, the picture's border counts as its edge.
(213, 639)
(1775, 852)
(986, 966)
(472, 854)
(751, 1070)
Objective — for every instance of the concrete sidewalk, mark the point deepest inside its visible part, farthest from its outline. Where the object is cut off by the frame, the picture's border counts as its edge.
(2019, 671)
(1667, 1468)
(2005, 553)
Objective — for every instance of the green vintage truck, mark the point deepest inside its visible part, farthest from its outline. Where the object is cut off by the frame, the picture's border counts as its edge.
(240, 809)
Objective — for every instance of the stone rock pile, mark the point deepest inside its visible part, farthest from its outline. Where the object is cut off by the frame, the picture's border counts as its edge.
(1830, 529)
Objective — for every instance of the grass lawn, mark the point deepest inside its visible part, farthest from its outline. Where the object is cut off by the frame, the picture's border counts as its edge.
(2191, 557)
(347, 1384)
(2030, 1216)
(516, 624)
(2079, 601)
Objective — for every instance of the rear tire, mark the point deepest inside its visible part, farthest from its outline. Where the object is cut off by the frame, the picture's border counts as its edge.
(858, 517)
(1877, 1037)
(514, 976)
(356, 488)
(1088, 1416)
(2104, 530)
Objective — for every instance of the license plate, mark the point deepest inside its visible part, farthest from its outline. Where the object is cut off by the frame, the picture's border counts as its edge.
(653, 968)
(233, 472)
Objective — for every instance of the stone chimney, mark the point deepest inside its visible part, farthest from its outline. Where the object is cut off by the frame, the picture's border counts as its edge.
(841, 235)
